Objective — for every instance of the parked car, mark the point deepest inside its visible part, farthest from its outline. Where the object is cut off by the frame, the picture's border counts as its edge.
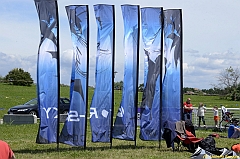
(31, 107)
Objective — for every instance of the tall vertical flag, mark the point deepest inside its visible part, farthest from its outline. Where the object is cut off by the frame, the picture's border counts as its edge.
(152, 40)
(102, 102)
(125, 123)
(48, 71)
(74, 129)
(172, 82)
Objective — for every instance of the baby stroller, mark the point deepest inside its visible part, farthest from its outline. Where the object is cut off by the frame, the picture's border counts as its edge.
(227, 117)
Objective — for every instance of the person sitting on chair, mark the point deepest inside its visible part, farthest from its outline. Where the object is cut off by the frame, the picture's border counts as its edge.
(234, 130)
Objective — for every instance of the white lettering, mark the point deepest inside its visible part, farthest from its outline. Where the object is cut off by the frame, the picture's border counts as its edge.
(57, 113)
(104, 113)
(82, 116)
(73, 116)
(120, 112)
(93, 112)
(47, 111)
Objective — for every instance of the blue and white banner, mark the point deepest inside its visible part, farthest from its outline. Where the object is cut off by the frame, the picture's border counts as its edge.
(172, 55)
(124, 126)
(47, 71)
(102, 102)
(74, 129)
(152, 40)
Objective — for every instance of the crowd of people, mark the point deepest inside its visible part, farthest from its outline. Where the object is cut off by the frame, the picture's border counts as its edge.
(233, 130)
(188, 109)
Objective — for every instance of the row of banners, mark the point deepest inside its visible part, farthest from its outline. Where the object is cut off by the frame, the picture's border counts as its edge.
(161, 100)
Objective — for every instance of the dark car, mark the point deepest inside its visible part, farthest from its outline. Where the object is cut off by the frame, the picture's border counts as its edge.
(31, 107)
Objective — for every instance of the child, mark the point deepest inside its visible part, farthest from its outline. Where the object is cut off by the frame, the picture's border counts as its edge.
(215, 114)
(201, 111)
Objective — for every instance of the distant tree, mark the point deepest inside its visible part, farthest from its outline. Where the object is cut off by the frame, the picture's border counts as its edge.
(228, 81)
(1, 79)
(118, 85)
(141, 87)
(187, 89)
(18, 76)
(212, 91)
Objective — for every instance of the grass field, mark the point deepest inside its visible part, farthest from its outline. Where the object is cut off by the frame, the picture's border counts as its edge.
(22, 140)
(15, 95)
(22, 137)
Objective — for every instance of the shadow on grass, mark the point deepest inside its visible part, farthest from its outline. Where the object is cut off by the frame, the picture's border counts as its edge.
(98, 148)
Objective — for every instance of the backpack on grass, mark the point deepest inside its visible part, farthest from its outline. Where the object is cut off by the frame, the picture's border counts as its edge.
(208, 144)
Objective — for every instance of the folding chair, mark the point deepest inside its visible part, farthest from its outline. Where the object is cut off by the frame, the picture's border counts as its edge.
(169, 133)
(188, 139)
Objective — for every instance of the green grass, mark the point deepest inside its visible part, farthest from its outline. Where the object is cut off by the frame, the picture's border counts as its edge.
(22, 137)
(14, 95)
(210, 101)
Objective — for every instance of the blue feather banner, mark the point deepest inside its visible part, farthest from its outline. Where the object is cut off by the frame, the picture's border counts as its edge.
(124, 126)
(172, 55)
(74, 129)
(47, 71)
(102, 101)
(152, 40)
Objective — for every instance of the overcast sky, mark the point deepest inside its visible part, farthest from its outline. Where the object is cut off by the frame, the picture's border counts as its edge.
(211, 37)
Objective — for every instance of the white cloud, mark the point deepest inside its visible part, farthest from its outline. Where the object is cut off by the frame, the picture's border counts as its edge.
(210, 38)
(201, 72)
(191, 51)
(9, 62)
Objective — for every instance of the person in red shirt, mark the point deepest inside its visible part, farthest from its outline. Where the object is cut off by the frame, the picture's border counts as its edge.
(5, 151)
(187, 109)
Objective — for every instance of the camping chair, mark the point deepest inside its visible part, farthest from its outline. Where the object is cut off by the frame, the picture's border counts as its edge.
(169, 133)
(187, 140)
(190, 141)
(226, 117)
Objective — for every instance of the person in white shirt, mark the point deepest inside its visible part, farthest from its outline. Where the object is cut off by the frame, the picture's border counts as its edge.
(200, 113)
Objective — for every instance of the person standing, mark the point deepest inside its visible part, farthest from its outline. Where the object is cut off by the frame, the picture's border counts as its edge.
(187, 109)
(200, 113)
(5, 151)
(215, 114)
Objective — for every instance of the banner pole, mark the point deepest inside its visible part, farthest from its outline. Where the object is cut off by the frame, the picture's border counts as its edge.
(113, 57)
(137, 73)
(161, 71)
(85, 136)
(181, 68)
(58, 74)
